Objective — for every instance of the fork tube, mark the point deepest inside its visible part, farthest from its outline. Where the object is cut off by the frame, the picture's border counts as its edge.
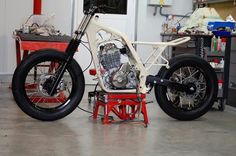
(70, 50)
(83, 25)
(76, 40)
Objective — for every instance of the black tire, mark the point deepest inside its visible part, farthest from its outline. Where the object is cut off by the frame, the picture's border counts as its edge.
(172, 105)
(21, 93)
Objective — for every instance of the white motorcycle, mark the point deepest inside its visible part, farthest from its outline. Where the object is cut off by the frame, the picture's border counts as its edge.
(185, 86)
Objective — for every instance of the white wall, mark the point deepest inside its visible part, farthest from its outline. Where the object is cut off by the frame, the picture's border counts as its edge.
(62, 11)
(149, 26)
(2, 34)
(13, 14)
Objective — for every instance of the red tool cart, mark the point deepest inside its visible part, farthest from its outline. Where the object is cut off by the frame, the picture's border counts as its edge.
(27, 43)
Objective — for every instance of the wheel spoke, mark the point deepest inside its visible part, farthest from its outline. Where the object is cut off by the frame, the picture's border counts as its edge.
(36, 104)
(31, 95)
(181, 78)
(203, 88)
(191, 75)
(189, 71)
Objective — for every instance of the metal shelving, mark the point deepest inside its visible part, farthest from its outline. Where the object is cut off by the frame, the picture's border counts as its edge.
(203, 44)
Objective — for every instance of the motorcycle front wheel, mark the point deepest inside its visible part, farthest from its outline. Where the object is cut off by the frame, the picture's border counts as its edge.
(190, 70)
(33, 78)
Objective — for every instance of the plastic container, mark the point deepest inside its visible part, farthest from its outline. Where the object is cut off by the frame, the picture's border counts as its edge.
(218, 44)
(222, 63)
(220, 84)
(213, 44)
(223, 45)
(216, 25)
(221, 33)
(220, 88)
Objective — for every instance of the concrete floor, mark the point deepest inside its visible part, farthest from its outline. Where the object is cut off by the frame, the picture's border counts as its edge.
(76, 135)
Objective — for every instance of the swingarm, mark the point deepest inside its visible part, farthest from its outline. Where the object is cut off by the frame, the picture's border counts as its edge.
(188, 88)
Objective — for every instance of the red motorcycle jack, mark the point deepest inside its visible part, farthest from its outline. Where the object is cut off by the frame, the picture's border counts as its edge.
(126, 106)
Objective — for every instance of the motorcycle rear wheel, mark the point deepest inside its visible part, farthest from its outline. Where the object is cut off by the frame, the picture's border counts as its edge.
(187, 69)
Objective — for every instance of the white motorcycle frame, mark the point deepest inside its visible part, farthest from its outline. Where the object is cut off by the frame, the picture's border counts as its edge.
(95, 26)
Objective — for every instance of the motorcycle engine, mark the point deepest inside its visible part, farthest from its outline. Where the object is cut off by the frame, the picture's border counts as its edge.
(118, 73)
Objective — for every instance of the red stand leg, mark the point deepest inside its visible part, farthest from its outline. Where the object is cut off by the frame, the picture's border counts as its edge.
(105, 120)
(96, 109)
(144, 112)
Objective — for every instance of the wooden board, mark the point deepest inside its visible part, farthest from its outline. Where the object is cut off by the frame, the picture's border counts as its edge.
(225, 9)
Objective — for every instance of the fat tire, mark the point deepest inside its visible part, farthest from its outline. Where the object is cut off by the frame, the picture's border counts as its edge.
(19, 93)
(211, 79)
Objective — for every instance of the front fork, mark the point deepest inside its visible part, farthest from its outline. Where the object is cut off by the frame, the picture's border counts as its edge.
(70, 51)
